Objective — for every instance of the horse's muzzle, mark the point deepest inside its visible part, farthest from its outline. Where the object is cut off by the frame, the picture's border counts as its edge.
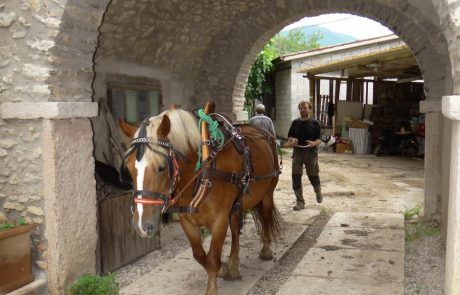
(149, 229)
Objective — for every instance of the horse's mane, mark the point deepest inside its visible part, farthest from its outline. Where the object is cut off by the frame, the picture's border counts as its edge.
(183, 136)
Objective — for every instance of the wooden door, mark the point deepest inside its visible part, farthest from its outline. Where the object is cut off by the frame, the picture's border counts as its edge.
(119, 244)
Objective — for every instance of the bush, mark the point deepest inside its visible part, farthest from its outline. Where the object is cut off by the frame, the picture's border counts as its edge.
(95, 285)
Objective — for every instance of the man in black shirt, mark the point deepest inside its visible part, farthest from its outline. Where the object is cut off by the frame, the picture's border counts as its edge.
(304, 136)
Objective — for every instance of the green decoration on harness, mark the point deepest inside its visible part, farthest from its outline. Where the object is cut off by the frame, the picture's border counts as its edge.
(215, 133)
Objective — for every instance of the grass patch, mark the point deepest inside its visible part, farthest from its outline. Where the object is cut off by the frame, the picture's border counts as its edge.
(418, 229)
(410, 213)
(325, 211)
(95, 285)
(416, 226)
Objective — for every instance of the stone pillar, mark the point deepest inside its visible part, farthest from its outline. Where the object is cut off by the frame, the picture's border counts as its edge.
(451, 110)
(69, 186)
(433, 154)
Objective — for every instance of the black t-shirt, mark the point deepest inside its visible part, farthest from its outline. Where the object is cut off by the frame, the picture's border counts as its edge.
(305, 130)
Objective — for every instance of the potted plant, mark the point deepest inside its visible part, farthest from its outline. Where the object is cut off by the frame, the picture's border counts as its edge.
(15, 260)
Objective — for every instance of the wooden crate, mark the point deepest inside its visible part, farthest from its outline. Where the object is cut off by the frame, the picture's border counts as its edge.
(118, 243)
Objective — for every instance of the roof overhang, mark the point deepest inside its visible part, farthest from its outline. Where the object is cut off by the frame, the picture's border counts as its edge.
(396, 62)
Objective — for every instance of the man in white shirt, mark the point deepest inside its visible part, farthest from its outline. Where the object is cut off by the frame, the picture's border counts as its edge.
(263, 121)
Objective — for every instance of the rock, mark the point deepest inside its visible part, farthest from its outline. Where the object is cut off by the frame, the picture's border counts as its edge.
(35, 210)
(6, 19)
(13, 206)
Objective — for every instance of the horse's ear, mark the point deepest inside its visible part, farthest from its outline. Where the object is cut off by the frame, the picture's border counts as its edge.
(164, 128)
(126, 128)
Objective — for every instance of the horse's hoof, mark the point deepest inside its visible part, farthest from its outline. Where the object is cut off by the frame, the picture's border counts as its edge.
(232, 277)
(223, 270)
(266, 257)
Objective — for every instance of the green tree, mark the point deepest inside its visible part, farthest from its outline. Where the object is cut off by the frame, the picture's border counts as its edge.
(256, 86)
(280, 44)
(294, 41)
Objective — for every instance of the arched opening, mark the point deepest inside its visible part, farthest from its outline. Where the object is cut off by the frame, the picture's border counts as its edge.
(196, 58)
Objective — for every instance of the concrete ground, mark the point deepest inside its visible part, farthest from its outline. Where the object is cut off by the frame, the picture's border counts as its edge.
(360, 251)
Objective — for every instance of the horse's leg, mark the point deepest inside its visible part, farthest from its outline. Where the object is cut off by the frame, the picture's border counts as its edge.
(193, 234)
(266, 215)
(230, 271)
(213, 262)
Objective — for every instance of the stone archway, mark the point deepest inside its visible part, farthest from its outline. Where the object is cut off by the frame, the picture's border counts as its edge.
(49, 80)
(414, 24)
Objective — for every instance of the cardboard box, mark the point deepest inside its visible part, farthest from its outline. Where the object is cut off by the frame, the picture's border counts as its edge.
(343, 148)
(358, 124)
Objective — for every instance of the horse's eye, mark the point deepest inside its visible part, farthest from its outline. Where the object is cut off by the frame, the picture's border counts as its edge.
(161, 168)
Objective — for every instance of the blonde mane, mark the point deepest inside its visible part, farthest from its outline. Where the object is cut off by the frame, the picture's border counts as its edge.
(183, 136)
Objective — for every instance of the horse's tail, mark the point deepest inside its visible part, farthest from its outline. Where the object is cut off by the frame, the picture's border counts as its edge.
(274, 222)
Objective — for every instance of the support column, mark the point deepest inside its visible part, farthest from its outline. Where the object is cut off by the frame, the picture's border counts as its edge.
(451, 110)
(69, 186)
(433, 154)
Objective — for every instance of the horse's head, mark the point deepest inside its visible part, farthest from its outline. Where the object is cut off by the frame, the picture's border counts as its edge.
(152, 167)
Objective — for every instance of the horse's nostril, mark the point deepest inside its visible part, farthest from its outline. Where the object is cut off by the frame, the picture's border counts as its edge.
(149, 228)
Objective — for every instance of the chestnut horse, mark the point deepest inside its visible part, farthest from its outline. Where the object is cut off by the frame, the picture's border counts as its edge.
(240, 175)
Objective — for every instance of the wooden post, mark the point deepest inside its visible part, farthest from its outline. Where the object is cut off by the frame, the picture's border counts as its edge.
(318, 98)
(204, 135)
(349, 89)
(336, 100)
(311, 79)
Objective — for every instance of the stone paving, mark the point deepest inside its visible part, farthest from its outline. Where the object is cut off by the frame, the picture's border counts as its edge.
(362, 253)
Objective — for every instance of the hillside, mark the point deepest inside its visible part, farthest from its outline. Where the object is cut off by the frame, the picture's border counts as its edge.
(329, 37)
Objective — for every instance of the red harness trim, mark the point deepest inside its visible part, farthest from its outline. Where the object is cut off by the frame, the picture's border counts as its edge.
(148, 201)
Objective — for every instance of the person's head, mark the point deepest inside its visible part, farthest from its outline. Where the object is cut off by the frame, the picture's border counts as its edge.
(305, 108)
(260, 108)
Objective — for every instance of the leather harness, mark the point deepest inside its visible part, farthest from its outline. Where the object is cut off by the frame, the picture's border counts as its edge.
(206, 174)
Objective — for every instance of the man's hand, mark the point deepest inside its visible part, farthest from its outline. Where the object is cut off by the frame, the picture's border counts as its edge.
(291, 142)
(311, 144)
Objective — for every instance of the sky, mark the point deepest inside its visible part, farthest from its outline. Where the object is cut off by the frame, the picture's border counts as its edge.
(359, 27)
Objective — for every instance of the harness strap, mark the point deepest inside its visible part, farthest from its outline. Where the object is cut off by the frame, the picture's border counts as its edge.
(233, 178)
(182, 209)
(271, 175)
(151, 195)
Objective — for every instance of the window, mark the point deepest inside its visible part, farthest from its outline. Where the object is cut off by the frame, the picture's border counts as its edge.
(133, 104)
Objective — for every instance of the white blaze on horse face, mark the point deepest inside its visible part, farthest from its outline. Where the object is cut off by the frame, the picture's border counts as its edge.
(140, 167)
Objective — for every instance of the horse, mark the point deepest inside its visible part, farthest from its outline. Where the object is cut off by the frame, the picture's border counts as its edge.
(239, 175)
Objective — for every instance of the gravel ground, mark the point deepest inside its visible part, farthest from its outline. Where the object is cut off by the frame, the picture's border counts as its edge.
(424, 266)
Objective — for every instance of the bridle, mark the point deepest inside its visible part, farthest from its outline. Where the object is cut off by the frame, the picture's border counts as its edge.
(152, 197)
